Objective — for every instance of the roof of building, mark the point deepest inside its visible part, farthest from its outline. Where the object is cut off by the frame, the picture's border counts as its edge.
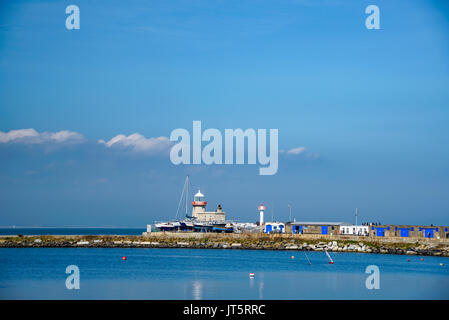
(318, 223)
(199, 194)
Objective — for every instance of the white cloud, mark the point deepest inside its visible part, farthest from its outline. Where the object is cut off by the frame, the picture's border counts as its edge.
(31, 136)
(138, 143)
(296, 151)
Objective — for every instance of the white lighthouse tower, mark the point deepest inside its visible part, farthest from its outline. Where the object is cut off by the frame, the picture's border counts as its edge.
(261, 208)
(198, 204)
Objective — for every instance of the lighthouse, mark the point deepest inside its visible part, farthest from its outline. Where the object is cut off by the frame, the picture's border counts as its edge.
(199, 212)
(261, 208)
(199, 205)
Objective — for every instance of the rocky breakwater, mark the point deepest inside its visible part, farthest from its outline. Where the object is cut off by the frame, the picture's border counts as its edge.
(361, 247)
(241, 242)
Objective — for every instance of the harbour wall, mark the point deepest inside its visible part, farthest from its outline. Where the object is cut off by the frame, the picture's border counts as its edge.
(201, 235)
(427, 247)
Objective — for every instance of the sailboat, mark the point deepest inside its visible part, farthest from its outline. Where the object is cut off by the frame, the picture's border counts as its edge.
(189, 223)
(178, 224)
(329, 257)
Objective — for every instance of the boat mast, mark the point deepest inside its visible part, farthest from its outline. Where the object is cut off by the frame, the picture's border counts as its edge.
(184, 190)
(187, 194)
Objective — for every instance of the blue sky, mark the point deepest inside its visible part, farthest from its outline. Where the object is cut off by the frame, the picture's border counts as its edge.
(371, 108)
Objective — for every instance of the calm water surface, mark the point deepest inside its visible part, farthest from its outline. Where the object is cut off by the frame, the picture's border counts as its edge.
(39, 273)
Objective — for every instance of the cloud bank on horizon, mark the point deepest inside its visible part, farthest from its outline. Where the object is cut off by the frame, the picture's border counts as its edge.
(135, 142)
(31, 136)
(138, 143)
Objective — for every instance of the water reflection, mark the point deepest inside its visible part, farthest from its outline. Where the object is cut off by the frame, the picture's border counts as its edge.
(197, 290)
(261, 284)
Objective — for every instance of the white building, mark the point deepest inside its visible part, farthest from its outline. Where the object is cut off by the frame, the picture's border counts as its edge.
(274, 227)
(199, 212)
(353, 230)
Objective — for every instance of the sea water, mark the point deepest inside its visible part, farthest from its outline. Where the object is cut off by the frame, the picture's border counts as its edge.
(150, 273)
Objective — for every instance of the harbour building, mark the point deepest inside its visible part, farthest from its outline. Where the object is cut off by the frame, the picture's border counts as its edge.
(200, 214)
(354, 230)
(274, 227)
(324, 228)
(373, 231)
(409, 231)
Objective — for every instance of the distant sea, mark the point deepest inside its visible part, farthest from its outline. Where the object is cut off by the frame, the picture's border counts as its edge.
(72, 231)
(156, 273)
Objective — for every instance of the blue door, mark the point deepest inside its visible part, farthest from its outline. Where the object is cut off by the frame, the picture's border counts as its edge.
(428, 233)
(297, 230)
(268, 228)
(404, 232)
(380, 232)
(324, 230)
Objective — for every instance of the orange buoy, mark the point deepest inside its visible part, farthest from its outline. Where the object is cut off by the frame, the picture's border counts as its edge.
(124, 258)
(293, 257)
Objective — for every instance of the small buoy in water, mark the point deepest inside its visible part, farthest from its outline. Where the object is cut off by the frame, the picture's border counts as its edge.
(331, 262)
(124, 258)
(251, 275)
(441, 264)
(293, 257)
(408, 260)
(422, 259)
